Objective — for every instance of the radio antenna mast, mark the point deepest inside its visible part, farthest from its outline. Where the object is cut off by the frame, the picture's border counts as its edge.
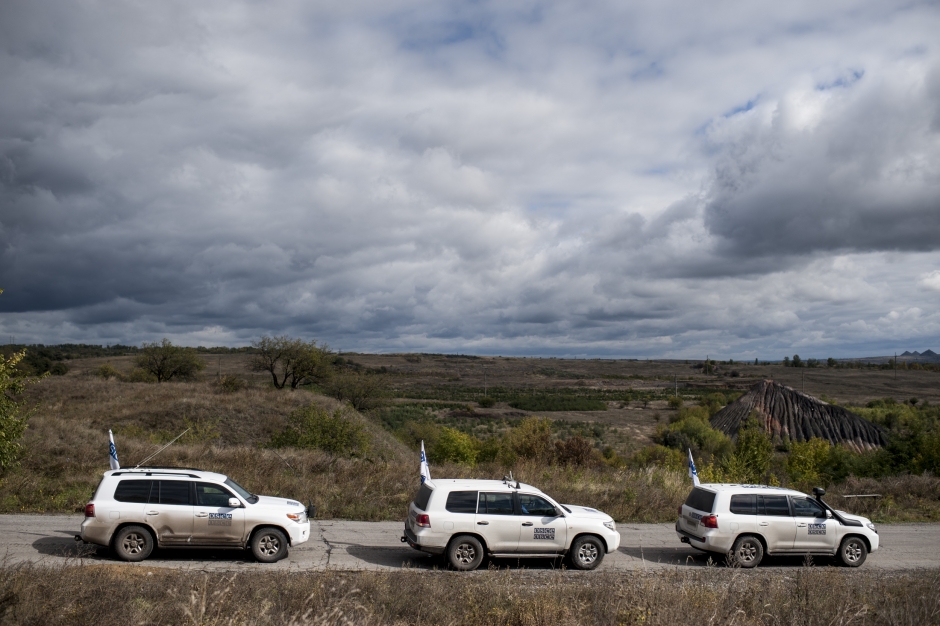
(162, 449)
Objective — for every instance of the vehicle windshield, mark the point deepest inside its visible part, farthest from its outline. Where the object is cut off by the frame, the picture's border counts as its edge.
(250, 497)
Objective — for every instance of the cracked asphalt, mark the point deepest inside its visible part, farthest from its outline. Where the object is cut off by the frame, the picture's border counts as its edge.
(348, 545)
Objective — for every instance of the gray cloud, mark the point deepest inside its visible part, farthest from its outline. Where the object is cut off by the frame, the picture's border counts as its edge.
(507, 178)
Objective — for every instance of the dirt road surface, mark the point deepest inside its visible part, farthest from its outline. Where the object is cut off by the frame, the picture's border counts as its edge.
(346, 545)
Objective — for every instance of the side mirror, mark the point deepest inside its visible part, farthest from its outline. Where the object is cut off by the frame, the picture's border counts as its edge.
(234, 503)
(559, 513)
(828, 514)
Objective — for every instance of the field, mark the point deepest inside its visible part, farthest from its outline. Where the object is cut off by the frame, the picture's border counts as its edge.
(65, 444)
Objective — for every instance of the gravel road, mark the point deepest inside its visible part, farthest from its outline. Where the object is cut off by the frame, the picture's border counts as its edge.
(345, 545)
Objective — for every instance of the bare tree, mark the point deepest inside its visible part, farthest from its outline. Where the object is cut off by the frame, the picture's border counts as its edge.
(290, 361)
(166, 361)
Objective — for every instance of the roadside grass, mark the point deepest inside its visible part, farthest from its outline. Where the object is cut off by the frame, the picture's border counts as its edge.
(66, 453)
(105, 595)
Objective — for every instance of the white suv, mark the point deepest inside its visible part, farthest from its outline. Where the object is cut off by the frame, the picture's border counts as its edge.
(748, 521)
(134, 510)
(466, 518)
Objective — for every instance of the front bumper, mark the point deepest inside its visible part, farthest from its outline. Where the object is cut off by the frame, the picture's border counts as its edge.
(299, 533)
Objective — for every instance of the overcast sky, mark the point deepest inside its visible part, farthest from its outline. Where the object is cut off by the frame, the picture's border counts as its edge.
(738, 179)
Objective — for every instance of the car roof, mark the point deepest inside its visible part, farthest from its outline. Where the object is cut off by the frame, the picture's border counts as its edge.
(453, 484)
(167, 472)
(739, 487)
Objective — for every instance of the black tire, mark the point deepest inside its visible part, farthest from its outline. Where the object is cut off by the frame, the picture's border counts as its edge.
(748, 551)
(268, 545)
(133, 543)
(465, 553)
(586, 552)
(853, 551)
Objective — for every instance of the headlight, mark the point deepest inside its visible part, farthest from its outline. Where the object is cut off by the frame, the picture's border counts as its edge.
(300, 518)
(870, 525)
(610, 525)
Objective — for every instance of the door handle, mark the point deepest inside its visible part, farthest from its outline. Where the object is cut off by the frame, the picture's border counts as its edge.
(153, 512)
(202, 515)
(482, 523)
(526, 523)
(801, 525)
(764, 524)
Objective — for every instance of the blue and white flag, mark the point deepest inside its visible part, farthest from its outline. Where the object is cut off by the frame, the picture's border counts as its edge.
(693, 474)
(112, 452)
(425, 470)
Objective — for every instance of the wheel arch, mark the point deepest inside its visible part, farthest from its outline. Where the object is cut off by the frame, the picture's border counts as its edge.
(476, 536)
(758, 536)
(123, 525)
(864, 539)
(588, 533)
(254, 530)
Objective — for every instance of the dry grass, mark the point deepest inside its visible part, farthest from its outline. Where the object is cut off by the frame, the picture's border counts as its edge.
(129, 595)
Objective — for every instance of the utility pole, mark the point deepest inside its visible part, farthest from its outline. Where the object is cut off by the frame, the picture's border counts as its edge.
(895, 365)
(677, 385)
(220, 367)
(484, 382)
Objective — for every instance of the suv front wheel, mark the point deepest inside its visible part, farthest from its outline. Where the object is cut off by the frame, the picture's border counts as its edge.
(587, 552)
(853, 551)
(268, 545)
(133, 543)
(465, 553)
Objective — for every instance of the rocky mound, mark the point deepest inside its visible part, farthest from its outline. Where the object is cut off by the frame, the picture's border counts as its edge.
(788, 414)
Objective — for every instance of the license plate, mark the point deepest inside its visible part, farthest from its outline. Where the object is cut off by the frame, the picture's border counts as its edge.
(691, 522)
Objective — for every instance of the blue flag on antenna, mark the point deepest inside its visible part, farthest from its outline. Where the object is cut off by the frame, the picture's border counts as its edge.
(692, 471)
(425, 470)
(112, 452)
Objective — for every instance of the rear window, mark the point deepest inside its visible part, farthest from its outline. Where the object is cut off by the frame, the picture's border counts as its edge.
(701, 500)
(424, 495)
(137, 491)
(173, 492)
(462, 502)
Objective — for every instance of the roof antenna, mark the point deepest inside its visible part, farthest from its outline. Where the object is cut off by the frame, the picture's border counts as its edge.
(162, 449)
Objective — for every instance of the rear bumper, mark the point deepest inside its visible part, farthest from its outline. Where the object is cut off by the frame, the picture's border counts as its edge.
(709, 543)
(97, 532)
(415, 542)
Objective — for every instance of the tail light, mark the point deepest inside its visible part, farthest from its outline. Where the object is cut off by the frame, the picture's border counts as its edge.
(90, 509)
(423, 520)
(709, 521)
(680, 510)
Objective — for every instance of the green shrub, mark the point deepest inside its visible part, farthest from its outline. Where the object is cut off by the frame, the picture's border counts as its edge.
(454, 446)
(577, 451)
(659, 456)
(362, 390)
(231, 384)
(314, 427)
(486, 402)
(807, 461)
(59, 369)
(107, 371)
(675, 402)
(752, 457)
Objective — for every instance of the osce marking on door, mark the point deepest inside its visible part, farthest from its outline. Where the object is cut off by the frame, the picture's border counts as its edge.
(544, 533)
(817, 529)
(220, 519)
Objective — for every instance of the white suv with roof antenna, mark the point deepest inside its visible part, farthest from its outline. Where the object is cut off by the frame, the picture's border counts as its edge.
(746, 522)
(467, 519)
(135, 510)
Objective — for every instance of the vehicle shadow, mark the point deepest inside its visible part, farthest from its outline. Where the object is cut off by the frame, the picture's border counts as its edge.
(409, 558)
(688, 557)
(68, 548)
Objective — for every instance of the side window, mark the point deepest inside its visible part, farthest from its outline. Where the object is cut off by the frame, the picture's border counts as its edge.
(173, 492)
(744, 504)
(805, 507)
(534, 505)
(208, 494)
(496, 503)
(462, 502)
(776, 505)
(137, 491)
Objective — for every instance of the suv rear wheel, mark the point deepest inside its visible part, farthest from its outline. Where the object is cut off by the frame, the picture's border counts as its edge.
(587, 552)
(748, 551)
(268, 545)
(133, 543)
(465, 553)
